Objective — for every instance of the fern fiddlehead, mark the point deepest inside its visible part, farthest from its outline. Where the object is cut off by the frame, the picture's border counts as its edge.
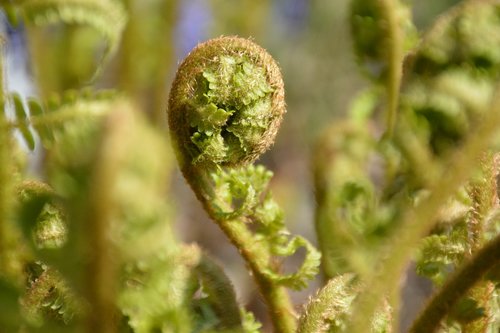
(226, 103)
(225, 107)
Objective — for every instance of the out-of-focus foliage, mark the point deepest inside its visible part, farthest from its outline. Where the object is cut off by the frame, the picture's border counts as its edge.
(373, 24)
(453, 74)
(366, 182)
(121, 248)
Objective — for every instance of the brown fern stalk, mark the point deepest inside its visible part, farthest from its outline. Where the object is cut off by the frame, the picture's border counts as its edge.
(463, 280)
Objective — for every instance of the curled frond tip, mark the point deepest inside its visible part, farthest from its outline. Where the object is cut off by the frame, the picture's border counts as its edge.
(226, 103)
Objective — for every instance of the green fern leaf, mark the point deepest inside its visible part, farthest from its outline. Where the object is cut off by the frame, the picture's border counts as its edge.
(306, 272)
(438, 253)
(43, 130)
(250, 325)
(22, 120)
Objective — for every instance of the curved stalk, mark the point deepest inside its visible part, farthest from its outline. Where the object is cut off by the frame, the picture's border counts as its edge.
(395, 63)
(256, 256)
(456, 287)
(220, 292)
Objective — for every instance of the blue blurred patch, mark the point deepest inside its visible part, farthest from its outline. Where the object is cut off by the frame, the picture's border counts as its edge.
(192, 27)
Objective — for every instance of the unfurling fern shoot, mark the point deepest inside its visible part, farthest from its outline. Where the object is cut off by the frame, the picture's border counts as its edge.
(226, 103)
(225, 107)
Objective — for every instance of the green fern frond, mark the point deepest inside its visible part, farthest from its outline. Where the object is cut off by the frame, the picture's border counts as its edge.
(376, 26)
(356, 209)
(43, 130)
(439, 253)
(456, 240)
(108, 17)
(153, 295)
(48, 298)
(98, 167)
(243, 192)
(306, 272)
(327, 311)
(50, 119)
(250, 325)
(330, 308)
(451, 77)
(41, 218)
(239, 189)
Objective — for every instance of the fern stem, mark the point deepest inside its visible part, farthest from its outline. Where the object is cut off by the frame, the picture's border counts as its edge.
(276, 297)
(101, 280)
(395, 63)
(139, 37)
(419, 220)
(170, 10)
(280, 305)
(256, 256)
(457, 286)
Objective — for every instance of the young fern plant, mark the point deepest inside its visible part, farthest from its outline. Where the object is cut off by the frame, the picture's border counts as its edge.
(225, 107)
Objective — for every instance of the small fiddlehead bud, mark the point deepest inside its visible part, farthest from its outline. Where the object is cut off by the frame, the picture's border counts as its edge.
(226, 103)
